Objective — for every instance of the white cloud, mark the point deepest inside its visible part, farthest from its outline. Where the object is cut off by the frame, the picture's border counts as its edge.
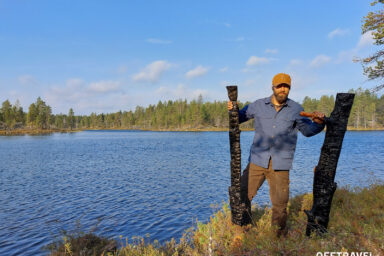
(158, 41)
(224, 69)
(365, 40)
(152, 72)
(271, 51)
(338, 32)
(104, 86)
(254, 60)
(83, 97)
(319, 61)
(228, 25)
(26, 79)
(72, 91)
(349, 55)
(196, 72)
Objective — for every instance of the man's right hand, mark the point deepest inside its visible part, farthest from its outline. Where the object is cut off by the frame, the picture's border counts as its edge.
(230, 105)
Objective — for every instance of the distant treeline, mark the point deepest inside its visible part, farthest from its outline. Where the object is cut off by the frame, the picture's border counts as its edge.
(367, 112)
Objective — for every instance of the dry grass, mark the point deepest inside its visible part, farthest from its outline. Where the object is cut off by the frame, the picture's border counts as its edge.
(356, 225)
(33, 131)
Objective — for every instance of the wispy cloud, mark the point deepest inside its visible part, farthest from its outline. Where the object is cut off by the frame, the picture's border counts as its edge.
(320, 60)
(86, 97)
(227, 24)
(338, 32)
(196, 72)
(365, 40)
(104, 86)
(152, 72)
(254, 60)
(271, 51)
(158, 41)
(72, 91)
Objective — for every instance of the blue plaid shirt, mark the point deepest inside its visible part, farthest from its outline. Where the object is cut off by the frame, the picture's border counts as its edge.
(276, 132)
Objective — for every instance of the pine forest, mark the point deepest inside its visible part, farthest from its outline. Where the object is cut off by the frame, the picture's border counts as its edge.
(367, 113)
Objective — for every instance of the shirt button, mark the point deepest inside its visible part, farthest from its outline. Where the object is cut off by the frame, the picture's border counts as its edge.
(274, 126)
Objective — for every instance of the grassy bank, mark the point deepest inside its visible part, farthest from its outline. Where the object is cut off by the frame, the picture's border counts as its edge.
(33, 131)
(218, 129)
(356, 225)
(183, 129)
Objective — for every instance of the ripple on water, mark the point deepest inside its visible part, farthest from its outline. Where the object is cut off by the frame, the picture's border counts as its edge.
(132, 183)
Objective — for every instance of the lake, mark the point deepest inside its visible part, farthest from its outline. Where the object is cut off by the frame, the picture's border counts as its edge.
(131, 183)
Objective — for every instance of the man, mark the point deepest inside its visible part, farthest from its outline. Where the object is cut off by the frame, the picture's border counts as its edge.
(276, 120)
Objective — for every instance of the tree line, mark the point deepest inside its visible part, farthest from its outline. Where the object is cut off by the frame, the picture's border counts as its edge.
(367, 109)
(367, 112)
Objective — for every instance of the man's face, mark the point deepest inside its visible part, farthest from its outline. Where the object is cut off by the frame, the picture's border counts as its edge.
(281, 92)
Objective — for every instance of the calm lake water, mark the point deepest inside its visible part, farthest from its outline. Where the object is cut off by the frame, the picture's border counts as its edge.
(131, 183)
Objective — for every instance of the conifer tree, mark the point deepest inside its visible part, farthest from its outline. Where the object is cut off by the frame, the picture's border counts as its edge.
(71, 119)
(374, 65)
(7, 113)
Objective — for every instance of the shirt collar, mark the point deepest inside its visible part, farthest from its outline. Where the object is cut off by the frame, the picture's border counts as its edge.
(268, 101)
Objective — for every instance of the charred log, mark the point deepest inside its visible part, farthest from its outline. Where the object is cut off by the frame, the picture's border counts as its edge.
(323, 185)
(237, 205)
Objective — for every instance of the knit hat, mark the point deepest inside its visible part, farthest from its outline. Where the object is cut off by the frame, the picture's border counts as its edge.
(281, 78)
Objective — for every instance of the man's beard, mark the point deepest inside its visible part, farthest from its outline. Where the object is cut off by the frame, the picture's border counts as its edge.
(281, 97)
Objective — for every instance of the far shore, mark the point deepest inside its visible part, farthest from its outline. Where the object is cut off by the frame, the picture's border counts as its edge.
(34, 131)
(198, 129)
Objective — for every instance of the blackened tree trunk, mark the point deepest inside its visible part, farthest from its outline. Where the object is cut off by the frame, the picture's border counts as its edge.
(323, 185)
(237, 206)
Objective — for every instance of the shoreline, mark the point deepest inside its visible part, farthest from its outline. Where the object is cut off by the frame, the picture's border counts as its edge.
(19, 132)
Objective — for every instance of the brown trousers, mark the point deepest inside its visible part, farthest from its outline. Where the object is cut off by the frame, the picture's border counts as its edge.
(278, 180)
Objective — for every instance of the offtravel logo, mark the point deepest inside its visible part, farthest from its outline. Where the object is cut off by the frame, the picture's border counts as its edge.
(344, 254)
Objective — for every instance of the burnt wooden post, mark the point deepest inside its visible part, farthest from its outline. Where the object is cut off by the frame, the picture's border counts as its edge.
(323, 185)
(237, 206)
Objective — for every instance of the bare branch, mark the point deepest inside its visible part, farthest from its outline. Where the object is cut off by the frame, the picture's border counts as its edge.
(377, 88)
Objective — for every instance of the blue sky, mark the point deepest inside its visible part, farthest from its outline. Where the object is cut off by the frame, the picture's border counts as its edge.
(105, 56)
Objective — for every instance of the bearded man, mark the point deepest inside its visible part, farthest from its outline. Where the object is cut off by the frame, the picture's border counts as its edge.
(276, 121)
